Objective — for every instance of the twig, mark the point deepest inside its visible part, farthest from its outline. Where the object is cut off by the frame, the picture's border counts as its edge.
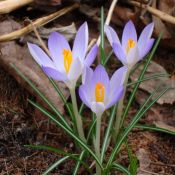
(92, 42)
(109, 16)
(8, 6)
(39, 22)
(145, 10)
(162, 15)
(152, 173)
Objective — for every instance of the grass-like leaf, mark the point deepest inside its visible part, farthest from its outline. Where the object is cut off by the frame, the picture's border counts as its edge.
(121, 168)
(154, 128)
(70, 133)
(64, 122)
(145, 107)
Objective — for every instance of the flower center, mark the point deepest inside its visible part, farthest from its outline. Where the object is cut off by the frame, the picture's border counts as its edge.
(99, 92)
(131, 43)
(67, 55)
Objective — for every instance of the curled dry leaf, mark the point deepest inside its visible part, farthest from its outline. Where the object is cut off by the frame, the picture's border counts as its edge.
(25, 63)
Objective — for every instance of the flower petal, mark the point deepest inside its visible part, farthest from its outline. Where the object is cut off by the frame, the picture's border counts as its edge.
(120, 54)
(39, 55)
(146, 49)
(132, 57)
(97, 107)
(111, 35)
(118, 78)
(145, 36)
(87, 75)
(54, 73)
(75, 71)
(57, 43)
(91, 55)
(115, 96)
(84, 97)
(129, 32)
(81, 42)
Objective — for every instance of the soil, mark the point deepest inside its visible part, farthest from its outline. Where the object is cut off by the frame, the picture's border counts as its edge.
(21, 124)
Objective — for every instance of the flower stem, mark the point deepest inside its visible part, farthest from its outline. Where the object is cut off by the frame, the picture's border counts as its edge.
(78, 119)
(97, 142)
(120, 107)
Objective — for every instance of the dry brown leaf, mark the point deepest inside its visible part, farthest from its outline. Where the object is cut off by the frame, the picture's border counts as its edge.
(163, 125)
(162, 82)
(13, 53)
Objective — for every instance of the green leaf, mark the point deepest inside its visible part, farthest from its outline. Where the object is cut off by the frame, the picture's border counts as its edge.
(140, 78)
(108, 130)
(133, 161)
(54, 165)
(121, 168)
(64, 122)
(102, 51)
(137, 117)
(108, 57)
(70, 133)
(154, 128)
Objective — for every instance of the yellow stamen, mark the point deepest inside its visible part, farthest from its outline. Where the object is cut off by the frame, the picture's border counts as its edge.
(131, 43)
(99, 92)
(67, 54)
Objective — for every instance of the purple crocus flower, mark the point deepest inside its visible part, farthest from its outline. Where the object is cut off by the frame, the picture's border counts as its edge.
(65, 64)
(131, 49)
(98, 92)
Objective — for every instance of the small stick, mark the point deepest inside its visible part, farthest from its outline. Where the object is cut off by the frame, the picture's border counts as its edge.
(8, 6)
(162, 15)
(39, 22)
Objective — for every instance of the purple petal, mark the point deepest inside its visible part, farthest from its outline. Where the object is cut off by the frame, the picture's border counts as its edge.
(91, 55)
(57, 43)
(87, 75)
(129, 32)
(146, 49)
(111, 35)
(115, 97)
(76, 70)
(118, 78)
(120, 54)
(145, 36)
(39, 55)
(97, 107)
(54, 74)
(83, 96)
(81, 42)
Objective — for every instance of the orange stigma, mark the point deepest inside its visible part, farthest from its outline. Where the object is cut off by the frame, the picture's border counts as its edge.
(131, 43)
(99, 92)
(67, 55)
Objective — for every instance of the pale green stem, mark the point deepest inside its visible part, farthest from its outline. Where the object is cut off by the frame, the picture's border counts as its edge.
(77, 116)
(97, 142)
(120, 107)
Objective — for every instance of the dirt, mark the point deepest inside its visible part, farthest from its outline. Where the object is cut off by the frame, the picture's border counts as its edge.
(21, 124)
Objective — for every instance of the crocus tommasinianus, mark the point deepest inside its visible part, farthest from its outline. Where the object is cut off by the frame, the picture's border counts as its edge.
(65, 64)
(130, 50)
(98, 92)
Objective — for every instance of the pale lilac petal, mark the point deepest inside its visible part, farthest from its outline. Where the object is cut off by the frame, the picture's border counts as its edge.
(87, 75)
(146, 49)
(97, 107)
(115, 97)
(39, 55)
(145, 36)
(57, 43)
(118, 78)
(91, 56)
(81, 42)
(111, 35)
(120, 54)
(75, 71)
(83, 96)
(133, 57)
(129, 32)
(54, 74)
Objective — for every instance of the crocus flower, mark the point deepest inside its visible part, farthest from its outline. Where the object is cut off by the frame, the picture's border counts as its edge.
(98, 92)
(65, 64)
(131, 49)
